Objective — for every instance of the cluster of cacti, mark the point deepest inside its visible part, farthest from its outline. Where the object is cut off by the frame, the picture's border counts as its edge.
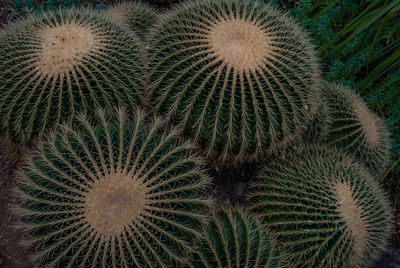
(324, 207)
(57, 63)
(236, 75)
(110, 188)
(117, 193)
(235, 239)
(138, 16)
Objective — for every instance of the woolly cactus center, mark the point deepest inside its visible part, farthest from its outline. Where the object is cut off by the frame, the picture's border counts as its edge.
(352, 215)
(241, 44)
(367, 123)
(119, 14)
(113, 203)
(64, 46)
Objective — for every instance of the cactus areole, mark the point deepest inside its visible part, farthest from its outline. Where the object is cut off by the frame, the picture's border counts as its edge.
(235, 75)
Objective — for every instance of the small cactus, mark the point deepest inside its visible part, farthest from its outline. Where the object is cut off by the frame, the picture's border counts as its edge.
(326, 209)
(137, 15)
(235, 239)
(54, 64)
(236, 75)
(117, 194)
(354, 128)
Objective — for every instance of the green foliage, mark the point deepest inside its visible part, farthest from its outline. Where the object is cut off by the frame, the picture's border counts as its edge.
(120, 193)
(235, 239)
(137, 15)
(237, 76)
(359, 45)
(21, 8)
(325, 208)
(54, 64)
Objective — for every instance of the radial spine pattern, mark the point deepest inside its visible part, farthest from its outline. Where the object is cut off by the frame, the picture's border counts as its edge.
(139, 16)
(234, 239)
(356, 129)
(326, 209)
(116, 195)
(236, 75)
(57, 63)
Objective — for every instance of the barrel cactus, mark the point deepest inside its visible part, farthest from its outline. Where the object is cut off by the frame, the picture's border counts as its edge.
(118, 194)
(235, 239)
(317, 128)
(236, 75)
(326, 209)
(57, 63)
(356, 129)
(137, 15)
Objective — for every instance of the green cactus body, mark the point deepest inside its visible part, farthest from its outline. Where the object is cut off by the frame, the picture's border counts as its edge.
(317, 127)
(138, 16)
(235, 239)
(235, 75)
(356, 129)
(57, 63)
(119, 194)
(326, 209)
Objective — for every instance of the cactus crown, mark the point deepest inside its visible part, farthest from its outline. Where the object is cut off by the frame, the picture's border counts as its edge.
(235, 239)
(113, 203)
(355, 128)
(63, 47)
(55, 64)
(137, 15)
(239, 43)
(119, 193)
(325, 208)
(235, 75)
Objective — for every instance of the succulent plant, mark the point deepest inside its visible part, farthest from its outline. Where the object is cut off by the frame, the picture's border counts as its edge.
(235, 239)
(117, 194)
(317, 127)
(326, 209)
(54, 64)
(236, 75)
(137, 15)
(354, 128)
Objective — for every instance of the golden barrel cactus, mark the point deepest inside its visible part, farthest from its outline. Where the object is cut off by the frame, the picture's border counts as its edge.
(237, 75)
(116, 194)
(54, 64)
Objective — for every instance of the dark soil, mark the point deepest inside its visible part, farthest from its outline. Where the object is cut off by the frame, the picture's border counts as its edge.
(4, 12)
(12, 254)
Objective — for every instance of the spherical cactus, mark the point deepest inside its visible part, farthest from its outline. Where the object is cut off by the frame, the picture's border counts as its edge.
(317, 128)
(235, 239)
(356, 129)
(57, 63)
(118, 194)
(235, 75)
(325, 208)
(138, 16)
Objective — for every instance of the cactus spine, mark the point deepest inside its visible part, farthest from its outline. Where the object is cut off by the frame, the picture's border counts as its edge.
(326, 209)
(354, 128)
(138, 16)
(116, 194)
(235, 239)
(235, 75)
(54, 64)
